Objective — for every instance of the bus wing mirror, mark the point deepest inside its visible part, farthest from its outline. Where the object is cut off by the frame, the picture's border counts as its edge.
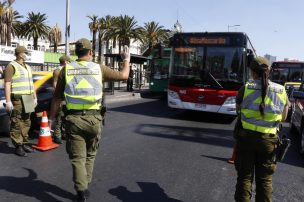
(250, 57)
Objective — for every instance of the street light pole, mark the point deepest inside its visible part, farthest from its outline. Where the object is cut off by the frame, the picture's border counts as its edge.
(229, 26)
(67, 28)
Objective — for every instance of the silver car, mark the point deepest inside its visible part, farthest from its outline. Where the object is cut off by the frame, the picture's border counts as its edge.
(297, 115)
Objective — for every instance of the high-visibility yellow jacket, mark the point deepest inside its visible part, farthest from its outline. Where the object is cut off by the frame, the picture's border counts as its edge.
(275, 101)
(22, 81)
(83, 89)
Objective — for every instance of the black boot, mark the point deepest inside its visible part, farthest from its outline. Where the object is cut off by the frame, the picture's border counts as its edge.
(19, 151)
(28, 148)
(81, 196)
(57, 140)
(87, 193)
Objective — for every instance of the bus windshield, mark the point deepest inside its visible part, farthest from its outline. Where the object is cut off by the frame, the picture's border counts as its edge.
(208, 67)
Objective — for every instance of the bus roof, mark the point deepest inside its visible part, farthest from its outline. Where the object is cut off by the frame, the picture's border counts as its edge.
(287, 62)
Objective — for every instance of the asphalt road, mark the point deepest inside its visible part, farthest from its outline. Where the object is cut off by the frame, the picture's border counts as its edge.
(148, 153)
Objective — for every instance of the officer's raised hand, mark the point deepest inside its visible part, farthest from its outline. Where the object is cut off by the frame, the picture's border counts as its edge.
(125, 55)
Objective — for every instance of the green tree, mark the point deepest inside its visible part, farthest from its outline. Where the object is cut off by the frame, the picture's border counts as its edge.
(104, 28)
(124, 29)
(152, 33)
(93, 25)
(55, 36)
(36, 27)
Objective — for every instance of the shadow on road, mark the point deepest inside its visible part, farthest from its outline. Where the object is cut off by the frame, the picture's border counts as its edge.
(30, 186)
(218, 137)
(5, 148)
(150, 192)
(216, 158)
(159, 108)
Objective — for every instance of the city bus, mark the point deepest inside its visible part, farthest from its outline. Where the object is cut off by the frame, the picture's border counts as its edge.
(207, 70)
(285, 71)
(159, 69)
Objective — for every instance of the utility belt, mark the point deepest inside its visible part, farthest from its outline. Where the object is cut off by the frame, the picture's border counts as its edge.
(245, 133)
(16, 97)
(83, 112)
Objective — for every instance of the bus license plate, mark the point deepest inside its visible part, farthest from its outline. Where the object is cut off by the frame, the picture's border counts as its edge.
(200, 106)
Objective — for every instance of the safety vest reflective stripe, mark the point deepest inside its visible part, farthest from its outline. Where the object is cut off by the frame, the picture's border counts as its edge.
(275, 101)
(96, 89)
(275, 107)
(83, 88)
(260, 122)
(22, 82)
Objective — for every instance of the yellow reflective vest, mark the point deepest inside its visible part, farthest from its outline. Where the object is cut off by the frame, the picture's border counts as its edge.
(275, 101)
(22, 81)
(83, 89)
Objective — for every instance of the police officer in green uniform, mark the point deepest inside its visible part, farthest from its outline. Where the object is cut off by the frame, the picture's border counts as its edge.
(58, 126)
(262, 105)
(19, 83)
(80, 84)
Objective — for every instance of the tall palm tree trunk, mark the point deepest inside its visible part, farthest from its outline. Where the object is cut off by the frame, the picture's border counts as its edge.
(35, 43)
(9, 34)
(94, 44)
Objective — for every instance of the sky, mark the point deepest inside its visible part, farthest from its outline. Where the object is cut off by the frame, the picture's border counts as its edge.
(275, 27)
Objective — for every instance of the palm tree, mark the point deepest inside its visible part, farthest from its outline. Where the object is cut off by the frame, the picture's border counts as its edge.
(8, 19)
(109, 22)
(35, 27)
(152, 33)
(104, 28)
(125, 29)
(3, 25)
(93, 25)
(12, 26)
(55, 36)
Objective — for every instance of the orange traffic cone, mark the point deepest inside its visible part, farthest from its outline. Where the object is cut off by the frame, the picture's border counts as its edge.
(45, 140)
(233, 155)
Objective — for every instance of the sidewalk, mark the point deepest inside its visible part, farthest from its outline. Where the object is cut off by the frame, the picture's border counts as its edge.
(124, 95)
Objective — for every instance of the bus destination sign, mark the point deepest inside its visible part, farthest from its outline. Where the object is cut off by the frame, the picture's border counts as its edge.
(205, 40)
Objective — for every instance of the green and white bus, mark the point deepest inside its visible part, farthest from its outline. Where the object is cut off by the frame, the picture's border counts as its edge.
(159, 69)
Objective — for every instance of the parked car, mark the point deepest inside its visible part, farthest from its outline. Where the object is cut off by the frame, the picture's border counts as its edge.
(297, 116)
(4, 118)
(290, 87)
(44, 90)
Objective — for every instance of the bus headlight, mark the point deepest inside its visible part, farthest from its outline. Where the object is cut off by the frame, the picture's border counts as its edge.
(230, 100)
(173, 94)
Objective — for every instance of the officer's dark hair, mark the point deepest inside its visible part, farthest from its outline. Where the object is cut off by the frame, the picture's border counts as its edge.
(264, 81)
(260, 66)
(81, 52)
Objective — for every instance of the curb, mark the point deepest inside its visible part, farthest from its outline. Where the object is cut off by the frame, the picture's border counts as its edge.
(122, 97)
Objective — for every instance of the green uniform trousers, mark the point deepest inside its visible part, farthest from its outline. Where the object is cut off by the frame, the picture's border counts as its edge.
(254, 158)
(20, 124)
(83, 134)
(59, 125)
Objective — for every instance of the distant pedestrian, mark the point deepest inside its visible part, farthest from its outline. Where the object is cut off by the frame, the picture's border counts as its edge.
(21, 99)
(130, 80)
(80, 84)
(58, 125)
(262, 105)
